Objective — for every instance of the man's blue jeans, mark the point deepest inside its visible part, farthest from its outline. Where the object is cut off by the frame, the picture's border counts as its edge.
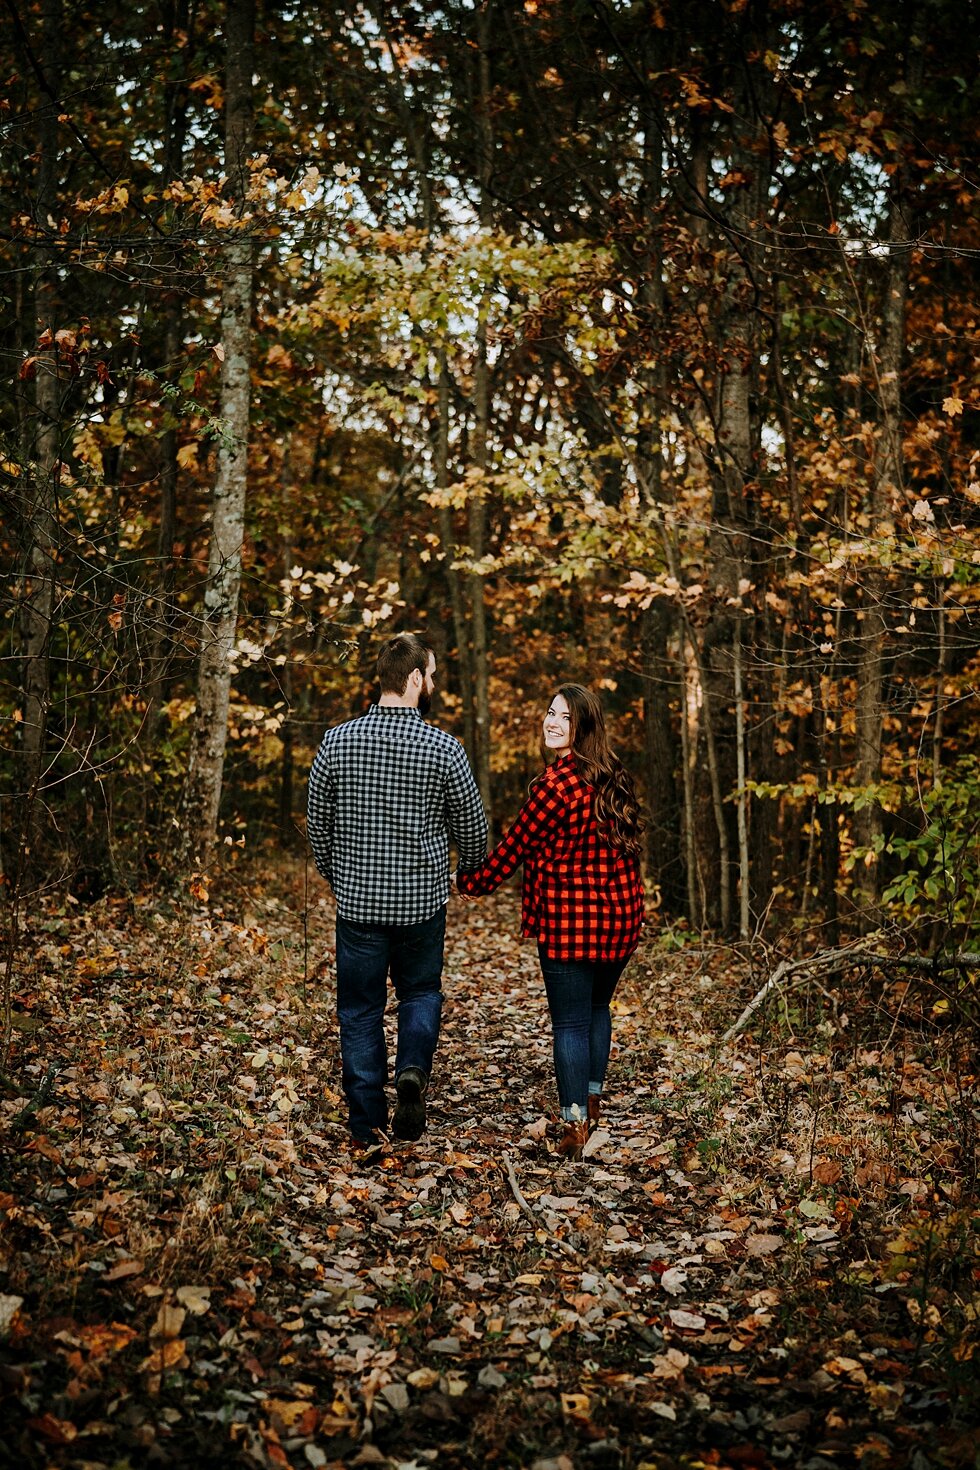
(579, 992)
(366, 954)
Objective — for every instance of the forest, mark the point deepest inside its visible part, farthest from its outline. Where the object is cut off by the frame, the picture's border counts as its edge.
(623, 342)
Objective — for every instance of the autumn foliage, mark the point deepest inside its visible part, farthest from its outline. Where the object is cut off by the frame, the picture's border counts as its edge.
(633, 345)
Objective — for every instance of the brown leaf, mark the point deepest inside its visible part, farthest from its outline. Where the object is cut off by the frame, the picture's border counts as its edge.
(169, 1321)
(827, 1171)
(58, 1431)
(170, 1354)
(762, 1245)
(123, 1269)
(292, 1416)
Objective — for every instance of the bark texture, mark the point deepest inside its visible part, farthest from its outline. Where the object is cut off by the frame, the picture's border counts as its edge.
(209, 738)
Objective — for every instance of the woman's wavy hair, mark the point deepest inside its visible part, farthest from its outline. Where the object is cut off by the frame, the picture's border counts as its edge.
(617, 806)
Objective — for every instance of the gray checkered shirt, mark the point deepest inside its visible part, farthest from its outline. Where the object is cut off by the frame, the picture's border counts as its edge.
(387, 792)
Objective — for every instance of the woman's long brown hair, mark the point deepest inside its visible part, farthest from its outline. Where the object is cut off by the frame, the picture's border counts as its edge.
(617, 807)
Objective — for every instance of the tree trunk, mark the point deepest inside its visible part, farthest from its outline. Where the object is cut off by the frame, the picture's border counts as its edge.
(38, 585)
(886, 485)
(178, 22)
(477, 514)
(662, 758)
(447, 535)
(744, 876)
(202, 792)
(735, 460)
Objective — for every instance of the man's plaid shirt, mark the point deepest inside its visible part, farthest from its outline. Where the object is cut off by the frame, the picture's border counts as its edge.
(387, 792)
(582, 898)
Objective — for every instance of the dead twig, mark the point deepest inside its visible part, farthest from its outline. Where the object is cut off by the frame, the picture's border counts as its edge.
(20, 1121)
(831, 960)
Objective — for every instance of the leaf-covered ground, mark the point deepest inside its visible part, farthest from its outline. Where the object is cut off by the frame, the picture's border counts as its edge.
(770, 1257)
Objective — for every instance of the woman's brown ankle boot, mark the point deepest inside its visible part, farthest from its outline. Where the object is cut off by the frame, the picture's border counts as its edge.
(574, 1137)
(594, 1102)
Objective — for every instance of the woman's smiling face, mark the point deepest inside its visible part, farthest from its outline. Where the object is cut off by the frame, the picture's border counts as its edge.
(558, 726)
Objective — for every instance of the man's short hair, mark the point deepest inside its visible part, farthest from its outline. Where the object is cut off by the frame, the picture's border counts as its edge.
(396, 660)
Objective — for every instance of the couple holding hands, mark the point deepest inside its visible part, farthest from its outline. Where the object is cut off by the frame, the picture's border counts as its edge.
(387, 794)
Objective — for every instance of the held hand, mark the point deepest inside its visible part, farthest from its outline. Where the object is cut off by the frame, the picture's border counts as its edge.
(463, 897)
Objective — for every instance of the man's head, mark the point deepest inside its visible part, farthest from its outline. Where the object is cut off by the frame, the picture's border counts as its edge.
(406, 668)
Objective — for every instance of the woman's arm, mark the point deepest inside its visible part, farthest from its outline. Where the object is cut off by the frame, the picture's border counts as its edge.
(536, 824)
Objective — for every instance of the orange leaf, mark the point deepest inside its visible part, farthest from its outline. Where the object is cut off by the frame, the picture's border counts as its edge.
(101, 1341)
(58, 1431)
(169, 1354)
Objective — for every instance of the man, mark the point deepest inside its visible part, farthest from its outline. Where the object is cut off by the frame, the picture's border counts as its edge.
(387, 792)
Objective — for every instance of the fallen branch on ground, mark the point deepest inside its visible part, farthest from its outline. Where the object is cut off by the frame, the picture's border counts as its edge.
(830, 960)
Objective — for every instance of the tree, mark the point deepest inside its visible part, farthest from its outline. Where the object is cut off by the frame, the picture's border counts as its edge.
(202, 792)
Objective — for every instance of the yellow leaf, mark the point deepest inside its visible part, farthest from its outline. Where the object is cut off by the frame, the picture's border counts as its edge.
(952, 405)
(439, 1263)
(423, 1378)
(169, 1354)
(576, 1405)
(187, 456)
(170, 1320)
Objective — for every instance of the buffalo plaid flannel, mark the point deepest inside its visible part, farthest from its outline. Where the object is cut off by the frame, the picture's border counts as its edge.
(387, 792)
(582, 898)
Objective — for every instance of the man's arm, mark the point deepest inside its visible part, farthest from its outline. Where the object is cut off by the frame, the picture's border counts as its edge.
(320, 812)
(467, 820)
(536, 826)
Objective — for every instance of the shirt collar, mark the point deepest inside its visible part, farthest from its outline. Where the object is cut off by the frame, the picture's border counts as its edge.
(395, 711)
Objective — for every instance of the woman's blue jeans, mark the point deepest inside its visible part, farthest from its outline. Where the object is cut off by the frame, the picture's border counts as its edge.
(366, 954)
(579, 993)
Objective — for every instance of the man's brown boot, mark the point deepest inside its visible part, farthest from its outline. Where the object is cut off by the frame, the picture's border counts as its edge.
(594, 1103)
(574, 1137)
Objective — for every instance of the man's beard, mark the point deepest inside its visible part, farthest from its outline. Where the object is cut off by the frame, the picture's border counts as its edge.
(425, 702)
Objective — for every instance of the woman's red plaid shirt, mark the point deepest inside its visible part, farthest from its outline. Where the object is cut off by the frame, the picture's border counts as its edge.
(582, 898)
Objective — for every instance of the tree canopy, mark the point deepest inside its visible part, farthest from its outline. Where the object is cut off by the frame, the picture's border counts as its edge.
(606, 341)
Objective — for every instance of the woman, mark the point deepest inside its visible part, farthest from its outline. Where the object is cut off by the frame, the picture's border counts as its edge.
(578, 836)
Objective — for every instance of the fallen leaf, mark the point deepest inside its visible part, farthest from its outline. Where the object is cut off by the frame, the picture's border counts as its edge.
(123, 1269)
(576, 1405)
(423, 1378)
(58, 1431)
(169, 1321)
(600, 1139)
(197, 1299)
(9, 1307)
(292, 1416)
(692, 1321)
(673, 1280)
(762, 1245)
(170, 1354)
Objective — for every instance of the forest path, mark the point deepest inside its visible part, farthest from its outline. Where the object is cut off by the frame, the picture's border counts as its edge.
(196, 1269)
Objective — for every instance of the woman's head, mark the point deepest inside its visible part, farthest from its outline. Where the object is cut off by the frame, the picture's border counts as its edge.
(576, 724)
(576, 712)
